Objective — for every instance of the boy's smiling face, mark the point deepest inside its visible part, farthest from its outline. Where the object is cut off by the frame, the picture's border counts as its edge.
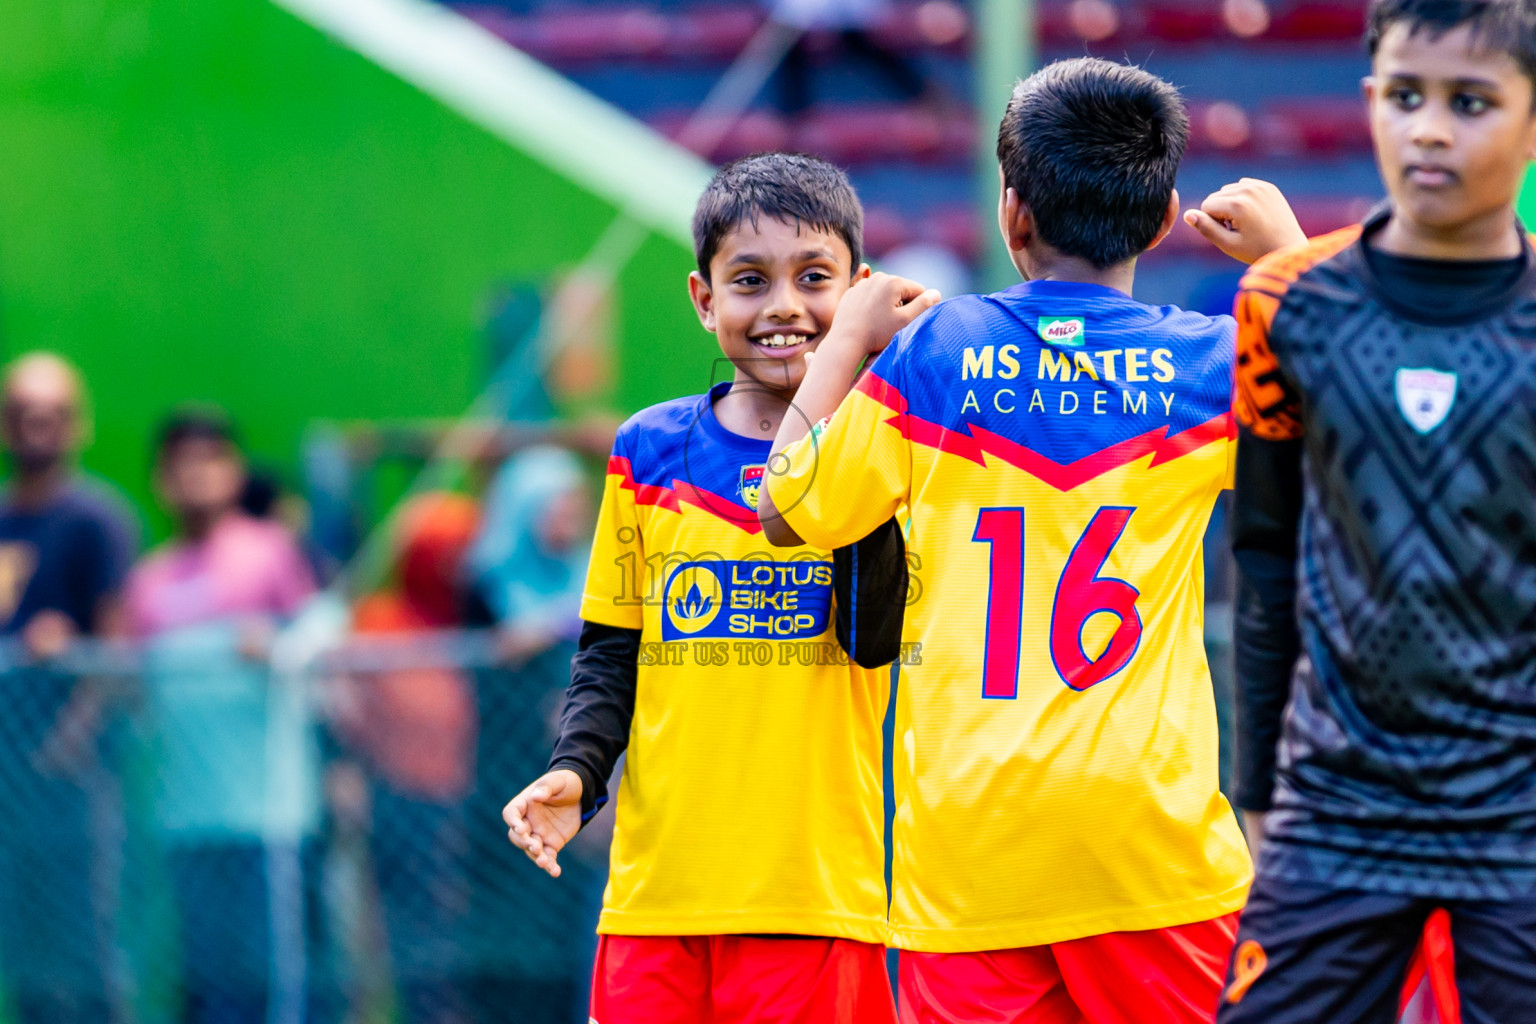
(772, 292)
(1453, 128)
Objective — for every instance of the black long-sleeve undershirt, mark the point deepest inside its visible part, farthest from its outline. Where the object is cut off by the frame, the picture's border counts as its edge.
(1266, 513)
(599, 706)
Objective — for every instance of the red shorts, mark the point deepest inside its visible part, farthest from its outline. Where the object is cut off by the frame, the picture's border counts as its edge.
(1166, 975)
(739, 979)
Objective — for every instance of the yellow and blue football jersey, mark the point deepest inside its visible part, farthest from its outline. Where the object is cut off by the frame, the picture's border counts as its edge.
(1059, 447)
(751, 798)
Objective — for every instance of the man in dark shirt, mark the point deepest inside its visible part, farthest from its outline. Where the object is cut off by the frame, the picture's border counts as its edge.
(65, 544)
(65, 547)
(1385, 532)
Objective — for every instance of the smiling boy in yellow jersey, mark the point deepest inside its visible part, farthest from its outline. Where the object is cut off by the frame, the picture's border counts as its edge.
(1062, 852)
(747, 863)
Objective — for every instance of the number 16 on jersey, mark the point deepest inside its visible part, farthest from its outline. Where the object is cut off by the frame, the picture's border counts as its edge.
(1081, 593)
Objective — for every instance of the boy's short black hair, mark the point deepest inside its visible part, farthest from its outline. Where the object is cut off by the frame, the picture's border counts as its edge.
(789, 187)
(193, 423)
(1093, 148)
(1502, 26)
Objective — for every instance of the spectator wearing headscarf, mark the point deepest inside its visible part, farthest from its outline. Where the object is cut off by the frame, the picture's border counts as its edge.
(529, 562)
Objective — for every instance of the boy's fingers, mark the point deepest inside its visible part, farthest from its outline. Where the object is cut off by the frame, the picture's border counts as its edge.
(1225, 207)
(1208, 226)
(925, 299)
(550, 866)
(906, 289)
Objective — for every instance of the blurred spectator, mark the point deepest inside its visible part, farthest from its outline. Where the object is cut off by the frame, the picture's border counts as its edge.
(265, 497)
(530, 561)
(65, 543)
(208, 601)
(415, 730)
(850, 21)
(65, 546)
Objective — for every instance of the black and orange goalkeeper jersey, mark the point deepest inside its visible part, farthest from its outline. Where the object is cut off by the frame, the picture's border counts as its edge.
(1407, 750)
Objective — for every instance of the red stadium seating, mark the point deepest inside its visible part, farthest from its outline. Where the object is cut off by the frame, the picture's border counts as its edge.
(857, 134)
(1313, 127)
(847, 135)
(717, 31)
(1319, 22)
(754, 132)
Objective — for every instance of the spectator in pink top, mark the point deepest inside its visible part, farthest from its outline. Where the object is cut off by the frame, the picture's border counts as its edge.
(222, 564)
(233, 823)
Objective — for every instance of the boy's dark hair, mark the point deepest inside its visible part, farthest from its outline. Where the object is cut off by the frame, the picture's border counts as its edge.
(1092, 148)
(789, 187)
(1502, 26)
(193, 423)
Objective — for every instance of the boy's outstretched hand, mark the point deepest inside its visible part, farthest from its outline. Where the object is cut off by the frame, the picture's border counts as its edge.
(543, 818)
(874, 309)
(1246, 220)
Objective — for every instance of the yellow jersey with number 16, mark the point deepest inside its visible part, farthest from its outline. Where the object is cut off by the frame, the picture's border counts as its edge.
(1059, 447)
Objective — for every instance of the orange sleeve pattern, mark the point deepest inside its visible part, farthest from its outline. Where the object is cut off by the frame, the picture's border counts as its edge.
(1262, 399)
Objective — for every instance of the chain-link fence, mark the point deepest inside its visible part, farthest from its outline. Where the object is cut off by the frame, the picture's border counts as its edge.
(203, 830)
(219, 827)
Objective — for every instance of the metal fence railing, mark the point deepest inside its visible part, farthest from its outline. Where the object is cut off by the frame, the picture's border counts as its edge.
(193, 833)
(196, 830)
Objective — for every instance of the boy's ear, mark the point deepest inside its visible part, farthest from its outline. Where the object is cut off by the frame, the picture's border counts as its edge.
(1368, 89)
(862, 274)
(1170, 218)
(703, 300)
(1015, 220)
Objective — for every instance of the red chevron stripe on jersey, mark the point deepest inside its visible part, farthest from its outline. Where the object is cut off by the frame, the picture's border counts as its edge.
(981, 442)
(669, 498)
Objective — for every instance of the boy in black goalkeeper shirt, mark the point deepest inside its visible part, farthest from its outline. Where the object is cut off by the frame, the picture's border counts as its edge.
(1385, 531)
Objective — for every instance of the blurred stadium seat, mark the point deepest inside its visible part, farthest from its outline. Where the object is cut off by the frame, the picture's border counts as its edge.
(912, 161)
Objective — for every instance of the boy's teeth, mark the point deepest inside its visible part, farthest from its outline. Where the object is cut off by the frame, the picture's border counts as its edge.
(781, 340)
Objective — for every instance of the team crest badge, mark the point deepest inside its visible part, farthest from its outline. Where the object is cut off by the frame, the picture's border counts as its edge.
(751, 482)
(1425, 397)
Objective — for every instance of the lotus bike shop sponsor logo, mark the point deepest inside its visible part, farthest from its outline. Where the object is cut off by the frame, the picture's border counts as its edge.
(747, 600)
(694, 598)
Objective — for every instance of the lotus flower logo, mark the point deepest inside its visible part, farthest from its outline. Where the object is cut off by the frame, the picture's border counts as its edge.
(693, 597)
(693, 604)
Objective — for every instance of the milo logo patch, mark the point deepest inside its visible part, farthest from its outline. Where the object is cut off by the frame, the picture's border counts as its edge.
(1064, 330)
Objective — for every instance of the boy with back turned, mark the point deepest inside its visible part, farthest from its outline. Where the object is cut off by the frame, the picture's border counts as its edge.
(1386, 541)
(1061, 850)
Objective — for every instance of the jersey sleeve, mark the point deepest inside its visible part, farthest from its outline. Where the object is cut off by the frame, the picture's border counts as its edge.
(611, 596)
(1264, 402)
(849, 475)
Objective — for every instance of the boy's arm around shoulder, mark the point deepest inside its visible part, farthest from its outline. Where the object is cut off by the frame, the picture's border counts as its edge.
(870, 315)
